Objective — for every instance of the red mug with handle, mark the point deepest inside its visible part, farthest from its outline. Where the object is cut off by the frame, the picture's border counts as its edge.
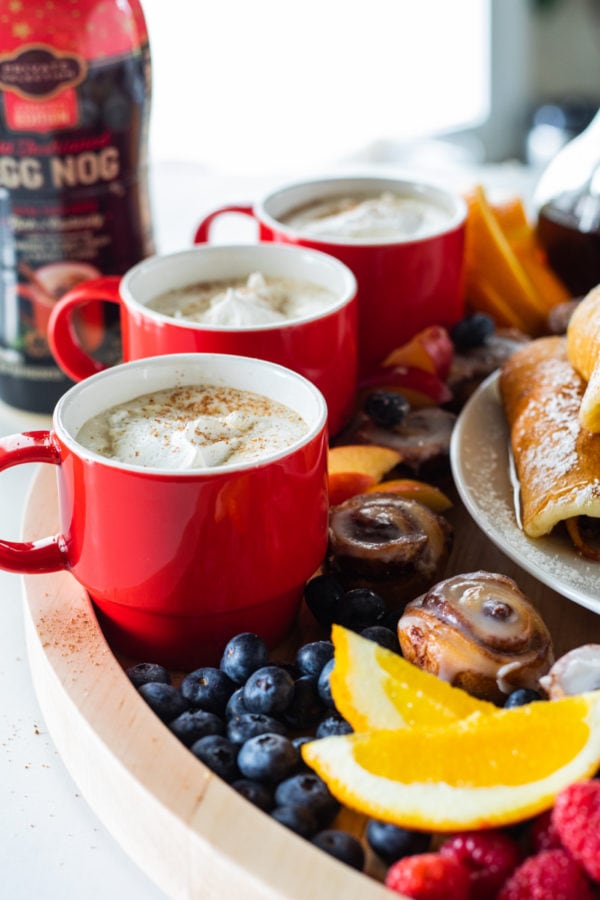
(321, 344)
(177, 561)
(406, 281)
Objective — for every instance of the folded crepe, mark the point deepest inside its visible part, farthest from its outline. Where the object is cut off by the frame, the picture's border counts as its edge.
(557, 460)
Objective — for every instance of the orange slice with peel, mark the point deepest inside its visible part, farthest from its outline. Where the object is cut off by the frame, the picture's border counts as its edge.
(374, 688)
(411, 489)
(478, 772)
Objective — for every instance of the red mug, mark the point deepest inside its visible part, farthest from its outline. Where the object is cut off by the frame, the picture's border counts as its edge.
(321, 346)
(177, 561)
(404, 283)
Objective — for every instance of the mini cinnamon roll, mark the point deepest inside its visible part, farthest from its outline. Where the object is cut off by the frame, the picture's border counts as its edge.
(477, 631)
(576, 672)
(394, 546)
(422, 438)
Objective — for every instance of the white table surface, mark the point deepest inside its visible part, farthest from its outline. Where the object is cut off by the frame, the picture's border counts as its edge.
(52, 846)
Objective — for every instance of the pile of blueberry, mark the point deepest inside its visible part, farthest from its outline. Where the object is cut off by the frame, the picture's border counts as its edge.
(247, 719)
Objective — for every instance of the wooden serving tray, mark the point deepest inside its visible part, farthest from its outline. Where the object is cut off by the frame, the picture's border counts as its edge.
(189, 832)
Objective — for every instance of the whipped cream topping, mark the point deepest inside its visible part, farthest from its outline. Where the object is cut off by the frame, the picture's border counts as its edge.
(242, 303)
(385, 216)
(195, 427)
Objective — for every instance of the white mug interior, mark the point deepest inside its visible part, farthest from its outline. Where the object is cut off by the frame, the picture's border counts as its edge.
(159, 274)
(126, 381)
(278, 204)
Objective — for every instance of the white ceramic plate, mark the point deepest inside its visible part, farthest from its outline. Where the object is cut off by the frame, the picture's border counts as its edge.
(479, 456)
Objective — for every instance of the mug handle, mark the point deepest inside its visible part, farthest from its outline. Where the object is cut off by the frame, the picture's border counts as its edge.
(62, 337)
(46, 554)
(202, 235)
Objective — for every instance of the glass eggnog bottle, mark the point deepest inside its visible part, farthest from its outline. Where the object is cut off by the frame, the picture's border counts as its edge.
(74, 110)
(567, 200)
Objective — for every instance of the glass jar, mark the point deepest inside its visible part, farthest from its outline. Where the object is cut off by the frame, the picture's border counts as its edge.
(567, 205)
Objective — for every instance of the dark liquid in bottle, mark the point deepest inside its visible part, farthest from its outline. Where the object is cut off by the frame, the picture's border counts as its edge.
(568, 228)
(73, 183)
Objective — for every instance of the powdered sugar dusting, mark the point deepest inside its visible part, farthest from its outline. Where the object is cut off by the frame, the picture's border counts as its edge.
(481, 469)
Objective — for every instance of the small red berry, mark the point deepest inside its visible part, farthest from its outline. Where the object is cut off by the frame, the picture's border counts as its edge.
(576, 816)
(429, 876)
(543, 834)
(489, 856)
(548, 876)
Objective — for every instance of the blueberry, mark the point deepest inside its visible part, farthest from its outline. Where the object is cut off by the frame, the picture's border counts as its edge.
(342, 845)
(390, 842)
(390, 620)
(208, 688)
(306, 706)
(311, 658)
(235, 704)
(267, 757)
(165, 700)
(521, 697)
(324, 683)
(219, 754)
(311, 791)
(299, 819)
(290, 667)
(144, 673)
(386, 408)
(383, 636)
(472, 331)
(243, 654)
(241, 728)
(360, 608)
(333, 725)
(269, 690)
(260, 795)
(322, 594)
(194, 724)
(298, 742)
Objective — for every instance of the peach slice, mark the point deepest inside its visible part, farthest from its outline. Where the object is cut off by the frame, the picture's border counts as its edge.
(367, 459)
(419, 387)
(431, 349)
(410, 489)
(343, 485)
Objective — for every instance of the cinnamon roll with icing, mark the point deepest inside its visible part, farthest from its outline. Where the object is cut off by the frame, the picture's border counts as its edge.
(577, 672)
(477, 631)
(395, 546)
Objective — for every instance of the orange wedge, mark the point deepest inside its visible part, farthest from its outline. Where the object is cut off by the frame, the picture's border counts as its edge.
(479, 772)
(505, 274)
(414, 490)
(374, 688)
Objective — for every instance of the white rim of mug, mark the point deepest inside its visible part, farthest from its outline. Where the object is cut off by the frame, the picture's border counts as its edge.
(348, 294)
(344, 183)
(171, 362)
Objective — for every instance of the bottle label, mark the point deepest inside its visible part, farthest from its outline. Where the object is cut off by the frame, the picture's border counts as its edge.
(74, 107)
(35, 73)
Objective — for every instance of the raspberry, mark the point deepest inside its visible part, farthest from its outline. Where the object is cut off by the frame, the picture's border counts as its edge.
(552, 873)
(576, 816)
(429, 876)
(543, 834)
(490, 857)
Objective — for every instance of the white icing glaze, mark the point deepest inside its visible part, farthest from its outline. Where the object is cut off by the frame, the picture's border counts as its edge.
(574, 673)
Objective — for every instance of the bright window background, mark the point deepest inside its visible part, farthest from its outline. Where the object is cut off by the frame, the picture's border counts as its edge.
(255, 86)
